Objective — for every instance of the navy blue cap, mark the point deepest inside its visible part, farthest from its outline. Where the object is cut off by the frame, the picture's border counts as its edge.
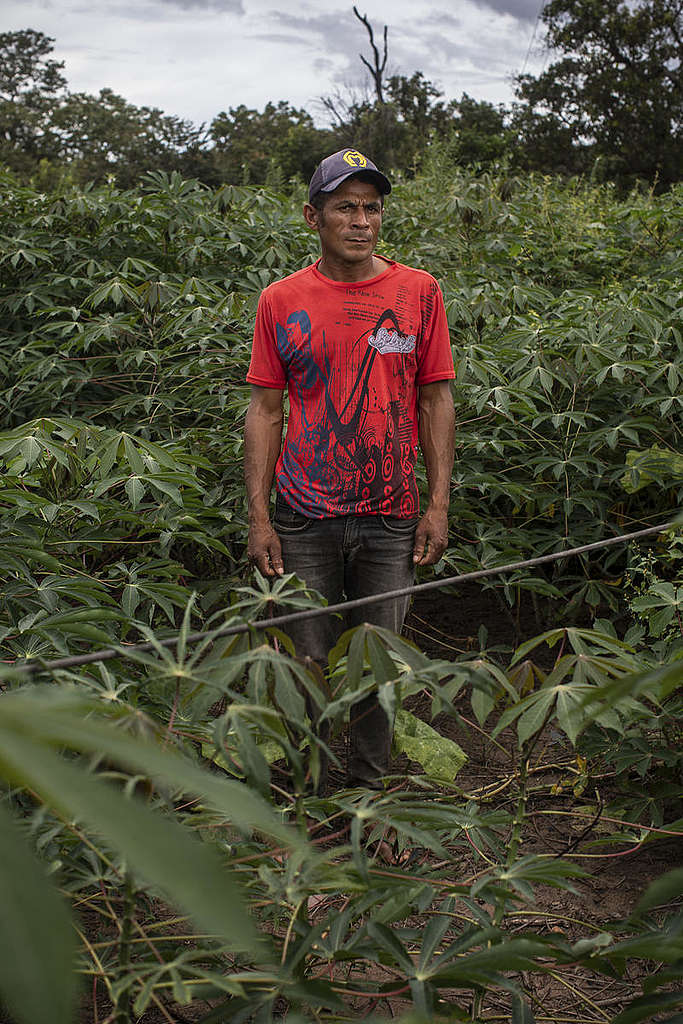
(335, 169)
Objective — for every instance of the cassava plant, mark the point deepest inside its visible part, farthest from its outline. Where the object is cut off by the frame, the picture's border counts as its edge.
(160, 827)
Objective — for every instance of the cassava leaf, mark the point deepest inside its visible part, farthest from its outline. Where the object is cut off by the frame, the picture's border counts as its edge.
(440, 756)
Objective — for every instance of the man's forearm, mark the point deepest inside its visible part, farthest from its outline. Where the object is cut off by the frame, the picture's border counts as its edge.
(436, 429)
(262, 440)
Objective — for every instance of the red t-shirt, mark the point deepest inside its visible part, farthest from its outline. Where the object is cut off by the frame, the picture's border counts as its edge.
(352, 357)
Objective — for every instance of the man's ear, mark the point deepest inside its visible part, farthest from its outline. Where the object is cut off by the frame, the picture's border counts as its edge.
(311, 216)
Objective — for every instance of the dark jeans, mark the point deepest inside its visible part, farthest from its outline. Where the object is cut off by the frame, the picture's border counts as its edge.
(350, 557)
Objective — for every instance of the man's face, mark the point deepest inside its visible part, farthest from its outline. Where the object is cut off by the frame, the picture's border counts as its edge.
(349, 223)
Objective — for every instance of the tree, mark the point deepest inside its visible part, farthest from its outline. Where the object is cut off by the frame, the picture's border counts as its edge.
(24, 68)
(369, 124)
(395, 132)
(479, 131)
(30, 86)
(105, 135)
(378, 66)
(396, 127)
(618, 88)
(542, 142)
(253, 146)
(42, 124)
(416, 102)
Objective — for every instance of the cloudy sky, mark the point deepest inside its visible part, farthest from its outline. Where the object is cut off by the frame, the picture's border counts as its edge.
(194, 58)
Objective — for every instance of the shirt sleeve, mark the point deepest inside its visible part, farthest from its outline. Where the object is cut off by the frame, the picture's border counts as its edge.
(266, 368)
(434, 356)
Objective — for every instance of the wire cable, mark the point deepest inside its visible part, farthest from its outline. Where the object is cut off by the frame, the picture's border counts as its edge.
(106, 654)
(533, 38)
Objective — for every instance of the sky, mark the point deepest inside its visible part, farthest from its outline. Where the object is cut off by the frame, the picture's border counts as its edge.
(195, 58)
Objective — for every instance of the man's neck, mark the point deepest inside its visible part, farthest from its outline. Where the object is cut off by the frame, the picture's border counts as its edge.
(351, 273)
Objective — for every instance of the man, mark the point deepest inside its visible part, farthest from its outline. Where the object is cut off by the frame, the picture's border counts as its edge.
(361, 343)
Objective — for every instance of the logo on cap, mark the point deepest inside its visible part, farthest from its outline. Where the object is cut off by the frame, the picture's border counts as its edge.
(355, 159)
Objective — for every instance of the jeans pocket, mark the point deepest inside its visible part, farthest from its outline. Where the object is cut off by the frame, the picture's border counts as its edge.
(288, 520)
(401, 527)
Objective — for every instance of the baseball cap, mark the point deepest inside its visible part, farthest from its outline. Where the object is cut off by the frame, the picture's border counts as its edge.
(335, 169)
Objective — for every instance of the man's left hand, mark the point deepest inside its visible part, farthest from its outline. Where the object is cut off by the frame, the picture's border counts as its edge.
(431, 537)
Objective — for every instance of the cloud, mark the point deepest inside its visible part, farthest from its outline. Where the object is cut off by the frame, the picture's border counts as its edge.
(522, 10)
(195, 57)
(456, 52)
(229, 6)
(334, 30)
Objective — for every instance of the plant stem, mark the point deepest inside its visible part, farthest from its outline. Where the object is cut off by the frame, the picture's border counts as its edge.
(520, 813)
(122, 1008)
(513, 846)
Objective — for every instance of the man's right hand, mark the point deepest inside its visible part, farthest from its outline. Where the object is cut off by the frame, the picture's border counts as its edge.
(264, 550)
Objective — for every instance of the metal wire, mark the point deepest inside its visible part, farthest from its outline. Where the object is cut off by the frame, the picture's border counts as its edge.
(533, 37)
(106, 654)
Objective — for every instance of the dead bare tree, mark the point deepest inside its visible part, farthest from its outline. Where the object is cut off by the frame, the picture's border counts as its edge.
(377, 71)
(359, 118)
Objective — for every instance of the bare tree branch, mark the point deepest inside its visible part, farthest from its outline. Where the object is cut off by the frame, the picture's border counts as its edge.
(377, 71)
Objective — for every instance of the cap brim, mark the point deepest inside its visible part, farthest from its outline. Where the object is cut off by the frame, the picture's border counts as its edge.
(382, 184)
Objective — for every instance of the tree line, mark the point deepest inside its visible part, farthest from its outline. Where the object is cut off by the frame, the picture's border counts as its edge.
(609, 105)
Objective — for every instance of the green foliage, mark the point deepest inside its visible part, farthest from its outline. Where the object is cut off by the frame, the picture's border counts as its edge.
(440, 757)
(31, 84)
(567, 345)
(615, 91)
(44, 129)
(249, 144)
(121, 802)
(36, 942)
(105, 136)
(611, 107)
(167, 792)
(479, 134)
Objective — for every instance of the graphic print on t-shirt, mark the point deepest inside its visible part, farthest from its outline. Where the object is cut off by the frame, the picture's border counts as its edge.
(353, 451)
(353, 357)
